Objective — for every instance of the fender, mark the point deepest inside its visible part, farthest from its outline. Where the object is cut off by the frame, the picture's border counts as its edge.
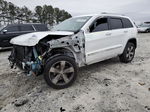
(133, 40)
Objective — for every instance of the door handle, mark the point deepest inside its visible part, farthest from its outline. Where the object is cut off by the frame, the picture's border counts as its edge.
(108, 34)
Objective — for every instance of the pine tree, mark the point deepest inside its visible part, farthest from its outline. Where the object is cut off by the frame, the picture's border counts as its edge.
(10, 13)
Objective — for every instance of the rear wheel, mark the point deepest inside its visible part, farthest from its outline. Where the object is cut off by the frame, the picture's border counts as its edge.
(60, 72)
(128, 53)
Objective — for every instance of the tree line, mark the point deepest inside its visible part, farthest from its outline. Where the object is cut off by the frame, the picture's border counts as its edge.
(10, 14)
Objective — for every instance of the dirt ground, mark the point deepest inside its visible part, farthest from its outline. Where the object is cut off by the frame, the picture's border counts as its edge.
(108, 86)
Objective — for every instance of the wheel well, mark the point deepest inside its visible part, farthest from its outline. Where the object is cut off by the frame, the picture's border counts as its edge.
(134, 41)
(63, 51)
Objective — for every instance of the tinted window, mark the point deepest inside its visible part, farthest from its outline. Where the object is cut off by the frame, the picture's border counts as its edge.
(99, 25)
(26, 28)
(116, 23)
(12, 29)
(40, 27)
(126, 23)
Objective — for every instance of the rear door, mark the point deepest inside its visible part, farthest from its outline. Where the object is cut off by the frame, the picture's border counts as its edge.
(129, 29)
(118, 34)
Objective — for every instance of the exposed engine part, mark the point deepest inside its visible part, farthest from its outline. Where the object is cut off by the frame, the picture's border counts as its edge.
(35, 66)
(31, 63)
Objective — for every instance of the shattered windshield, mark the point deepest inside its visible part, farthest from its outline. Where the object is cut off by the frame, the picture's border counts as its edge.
(73, 24)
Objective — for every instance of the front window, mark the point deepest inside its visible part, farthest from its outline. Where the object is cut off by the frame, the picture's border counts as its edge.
(99, 25)
(73, 24)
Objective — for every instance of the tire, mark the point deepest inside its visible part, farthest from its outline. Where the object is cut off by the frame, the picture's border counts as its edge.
(147, 31)
(128, 53)
(60, 72)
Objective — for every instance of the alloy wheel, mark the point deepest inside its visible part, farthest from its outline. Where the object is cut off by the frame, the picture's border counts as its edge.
(130, 53)
(61, 73)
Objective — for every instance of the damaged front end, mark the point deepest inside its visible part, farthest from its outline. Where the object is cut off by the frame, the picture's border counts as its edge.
(27, 59)
(32, 58)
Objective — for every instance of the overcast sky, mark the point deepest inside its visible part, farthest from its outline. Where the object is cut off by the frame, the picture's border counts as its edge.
(139, 10)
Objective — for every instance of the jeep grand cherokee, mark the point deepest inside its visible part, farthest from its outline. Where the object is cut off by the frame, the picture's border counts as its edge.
(76, 42)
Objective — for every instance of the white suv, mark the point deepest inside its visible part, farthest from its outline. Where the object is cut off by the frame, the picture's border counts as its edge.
(74, 43)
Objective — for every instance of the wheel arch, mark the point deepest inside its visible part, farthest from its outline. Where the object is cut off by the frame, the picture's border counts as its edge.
(63, 51)
(134, 41)
(66, 51)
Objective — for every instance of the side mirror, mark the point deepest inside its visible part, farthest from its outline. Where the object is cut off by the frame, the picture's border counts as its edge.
(4, 31)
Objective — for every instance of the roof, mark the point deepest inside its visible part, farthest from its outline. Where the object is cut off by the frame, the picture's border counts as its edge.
(26, 24)
(104, 14)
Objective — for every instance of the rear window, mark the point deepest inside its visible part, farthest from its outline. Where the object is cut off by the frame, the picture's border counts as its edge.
(26, 28)
(115, 23)
(127, 23)
(41, 27)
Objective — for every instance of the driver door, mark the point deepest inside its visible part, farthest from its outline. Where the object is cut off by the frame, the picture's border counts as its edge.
(98, 41)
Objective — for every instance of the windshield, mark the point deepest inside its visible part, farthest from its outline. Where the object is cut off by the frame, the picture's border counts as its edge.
(73, 24)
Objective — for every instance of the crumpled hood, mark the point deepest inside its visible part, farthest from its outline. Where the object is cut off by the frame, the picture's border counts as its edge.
(31, 39)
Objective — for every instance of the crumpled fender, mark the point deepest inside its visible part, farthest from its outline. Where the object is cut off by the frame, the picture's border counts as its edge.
(74, 43)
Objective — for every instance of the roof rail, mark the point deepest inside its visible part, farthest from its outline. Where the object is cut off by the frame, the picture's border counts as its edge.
(112, 13)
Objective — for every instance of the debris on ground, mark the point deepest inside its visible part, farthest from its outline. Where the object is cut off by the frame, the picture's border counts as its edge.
(21, 102)
(142, 83)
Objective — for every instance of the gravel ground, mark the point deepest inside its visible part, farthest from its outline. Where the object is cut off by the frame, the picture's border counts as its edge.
(108, 86)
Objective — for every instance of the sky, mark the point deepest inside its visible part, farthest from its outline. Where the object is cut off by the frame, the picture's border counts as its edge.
(138, 10)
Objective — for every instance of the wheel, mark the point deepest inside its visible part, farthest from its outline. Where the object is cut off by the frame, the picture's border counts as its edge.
(147, 31)
(60, 72)
(128, 53)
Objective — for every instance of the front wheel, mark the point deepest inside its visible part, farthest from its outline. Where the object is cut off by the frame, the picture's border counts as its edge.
(128, 53)
(60, 72)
